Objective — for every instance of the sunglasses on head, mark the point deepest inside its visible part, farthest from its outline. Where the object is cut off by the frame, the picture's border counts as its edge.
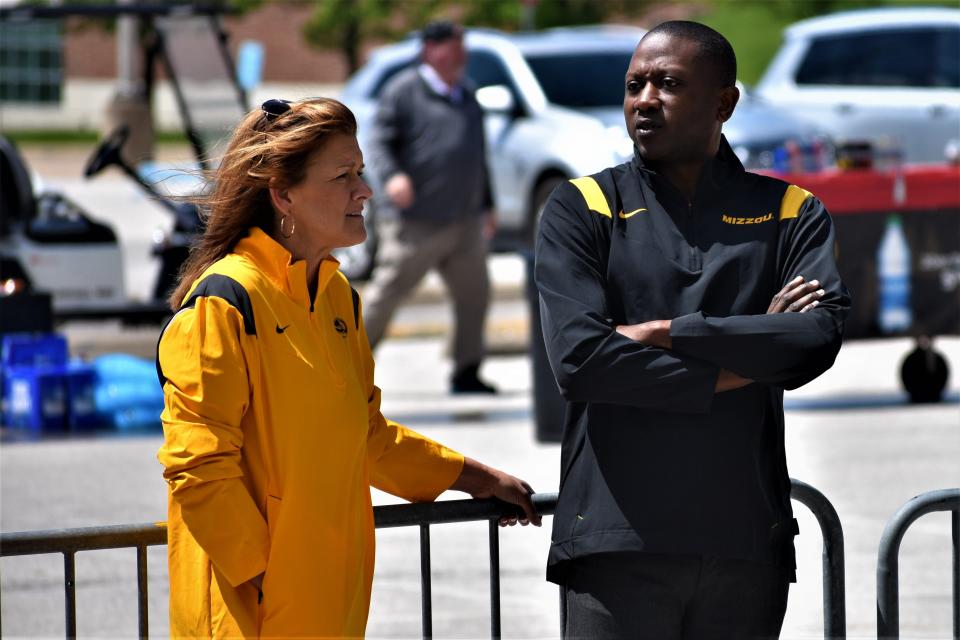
(275, 107)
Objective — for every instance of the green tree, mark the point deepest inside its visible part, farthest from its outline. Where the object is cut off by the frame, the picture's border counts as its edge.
(346, 24)
(510, 14)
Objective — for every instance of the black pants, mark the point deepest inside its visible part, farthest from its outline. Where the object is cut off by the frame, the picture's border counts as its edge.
(672, 597)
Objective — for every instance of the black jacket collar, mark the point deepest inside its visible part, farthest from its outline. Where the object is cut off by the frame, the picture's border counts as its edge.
(716, 172)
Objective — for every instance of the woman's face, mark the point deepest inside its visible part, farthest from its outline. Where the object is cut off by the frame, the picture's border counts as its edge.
(327, 204)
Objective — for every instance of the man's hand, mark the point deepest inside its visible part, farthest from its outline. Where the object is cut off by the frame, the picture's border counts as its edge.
(655, 333)
(399, 189)
(480, 481)
(797, 297)
(728, 381)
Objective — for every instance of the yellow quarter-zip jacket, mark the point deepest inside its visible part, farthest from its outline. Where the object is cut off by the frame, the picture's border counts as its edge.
(272, 437)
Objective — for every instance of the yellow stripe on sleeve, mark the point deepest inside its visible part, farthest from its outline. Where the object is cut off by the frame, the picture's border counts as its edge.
(793, 199)
(593, 195)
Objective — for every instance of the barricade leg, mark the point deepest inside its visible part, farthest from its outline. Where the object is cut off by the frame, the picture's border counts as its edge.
(834, 581)
(70, 593)
(956, 572)
(494, 580)
(426, 609)
(142, 600)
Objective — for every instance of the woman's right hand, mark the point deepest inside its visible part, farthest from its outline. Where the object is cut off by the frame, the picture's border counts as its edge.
(481, 481)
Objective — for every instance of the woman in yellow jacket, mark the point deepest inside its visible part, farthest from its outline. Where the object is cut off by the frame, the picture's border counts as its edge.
(272, 425)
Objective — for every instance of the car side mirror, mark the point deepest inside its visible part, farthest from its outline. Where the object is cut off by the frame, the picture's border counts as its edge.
(496, 99)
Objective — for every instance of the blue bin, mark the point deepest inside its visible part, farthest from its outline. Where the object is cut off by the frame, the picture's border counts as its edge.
(35, 398)
(29, 349)
(80, 380)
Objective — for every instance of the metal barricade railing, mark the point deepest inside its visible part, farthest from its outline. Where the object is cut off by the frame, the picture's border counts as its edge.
(834, 589)
(140, 536)
(70, 541)
(888, 576)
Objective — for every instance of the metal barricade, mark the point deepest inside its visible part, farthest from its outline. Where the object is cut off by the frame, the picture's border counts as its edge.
(834, 589)
(140, 536)
(888, 587)
(70, 541)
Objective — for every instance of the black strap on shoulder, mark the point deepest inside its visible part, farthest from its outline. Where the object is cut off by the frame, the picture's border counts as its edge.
(228, 289)
(356, 308)
(216, 286)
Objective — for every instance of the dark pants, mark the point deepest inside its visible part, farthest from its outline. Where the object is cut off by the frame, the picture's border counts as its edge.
(672, 597)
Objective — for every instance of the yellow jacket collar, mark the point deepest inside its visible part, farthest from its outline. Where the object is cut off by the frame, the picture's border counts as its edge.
(278, 265)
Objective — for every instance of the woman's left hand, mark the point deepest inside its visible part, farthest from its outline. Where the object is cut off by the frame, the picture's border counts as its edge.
(481, 481)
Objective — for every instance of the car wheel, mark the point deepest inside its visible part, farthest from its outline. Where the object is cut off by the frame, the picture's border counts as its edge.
(357, 262)
(540, 196)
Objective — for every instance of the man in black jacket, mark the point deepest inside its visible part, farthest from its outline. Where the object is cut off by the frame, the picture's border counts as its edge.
(680, 295)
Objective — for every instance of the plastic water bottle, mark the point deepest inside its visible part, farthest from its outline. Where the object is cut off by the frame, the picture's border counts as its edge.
(893, 271)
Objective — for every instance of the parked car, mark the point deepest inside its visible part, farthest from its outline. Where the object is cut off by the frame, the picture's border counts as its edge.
(553, 101)
(890, 76)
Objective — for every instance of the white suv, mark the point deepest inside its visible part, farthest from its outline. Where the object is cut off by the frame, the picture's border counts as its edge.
(890, 76)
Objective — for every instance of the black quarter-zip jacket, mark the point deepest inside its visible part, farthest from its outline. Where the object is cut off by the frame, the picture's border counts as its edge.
(652, 458)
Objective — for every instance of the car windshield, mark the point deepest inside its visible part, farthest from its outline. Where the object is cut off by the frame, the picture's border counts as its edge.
(581, 80)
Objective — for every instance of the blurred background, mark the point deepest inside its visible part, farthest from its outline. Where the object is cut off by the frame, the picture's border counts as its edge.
(110, 112)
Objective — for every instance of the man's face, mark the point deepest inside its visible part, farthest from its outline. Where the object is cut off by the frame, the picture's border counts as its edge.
(673, 103)
(448, 57)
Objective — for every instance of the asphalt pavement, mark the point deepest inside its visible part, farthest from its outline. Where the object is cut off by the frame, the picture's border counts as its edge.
(850, 434)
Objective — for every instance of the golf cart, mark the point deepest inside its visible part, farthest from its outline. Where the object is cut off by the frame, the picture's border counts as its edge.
(49, 243)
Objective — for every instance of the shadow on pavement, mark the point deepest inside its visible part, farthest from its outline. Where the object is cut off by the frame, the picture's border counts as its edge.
(862, 401)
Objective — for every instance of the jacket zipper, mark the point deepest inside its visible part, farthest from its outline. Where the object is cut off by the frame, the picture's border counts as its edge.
(694, 257)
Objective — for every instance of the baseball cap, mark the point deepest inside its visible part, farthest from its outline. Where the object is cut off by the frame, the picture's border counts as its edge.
(440, 30)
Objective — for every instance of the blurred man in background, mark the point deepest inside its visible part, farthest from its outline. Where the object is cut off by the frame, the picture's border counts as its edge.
(428, 149)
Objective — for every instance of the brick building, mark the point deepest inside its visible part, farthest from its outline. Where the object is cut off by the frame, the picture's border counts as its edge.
(79, 71)
(90, 52)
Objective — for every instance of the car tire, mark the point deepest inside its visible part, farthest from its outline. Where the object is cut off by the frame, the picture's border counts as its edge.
(541, 194)
(357, 262)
